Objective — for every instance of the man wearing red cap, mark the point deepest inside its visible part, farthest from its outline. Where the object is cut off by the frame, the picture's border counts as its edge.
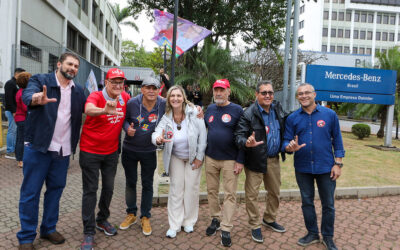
(105, 112)
(222, 156)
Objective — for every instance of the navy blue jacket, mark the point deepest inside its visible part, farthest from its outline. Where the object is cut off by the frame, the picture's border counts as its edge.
(41, 119)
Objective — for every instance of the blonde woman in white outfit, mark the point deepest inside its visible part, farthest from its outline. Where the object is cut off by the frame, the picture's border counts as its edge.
(185, 139)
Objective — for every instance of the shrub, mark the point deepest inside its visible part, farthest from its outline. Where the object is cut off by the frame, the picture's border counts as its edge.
(361, 130)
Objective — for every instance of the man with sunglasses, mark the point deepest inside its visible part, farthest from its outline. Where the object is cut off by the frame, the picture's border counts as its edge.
(260, 133)
(105, 112)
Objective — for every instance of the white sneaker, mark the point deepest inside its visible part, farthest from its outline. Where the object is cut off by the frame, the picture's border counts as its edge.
(188, 229)
(171, 233)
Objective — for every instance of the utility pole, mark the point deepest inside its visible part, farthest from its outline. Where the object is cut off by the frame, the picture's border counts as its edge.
(173, 59)
(294, 55)
(287, 51)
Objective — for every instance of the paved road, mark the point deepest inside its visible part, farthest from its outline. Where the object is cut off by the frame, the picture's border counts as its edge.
(361, 224)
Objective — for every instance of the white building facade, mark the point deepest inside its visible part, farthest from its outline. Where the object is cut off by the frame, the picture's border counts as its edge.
(349, 26)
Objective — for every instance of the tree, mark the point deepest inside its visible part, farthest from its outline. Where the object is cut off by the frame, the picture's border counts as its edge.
(122, 14)
(133, 55)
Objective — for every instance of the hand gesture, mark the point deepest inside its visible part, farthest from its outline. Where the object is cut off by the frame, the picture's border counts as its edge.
(131, 131)
(238, 168)
(336, 171)
(251, 141)
(161, 139)
(200, 114)
(294, 145)
(196, 164)
(40, 98)
(111, 109)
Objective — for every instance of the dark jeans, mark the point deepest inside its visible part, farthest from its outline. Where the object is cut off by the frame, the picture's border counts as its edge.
(19, 144)
(91, 165)
(326, 189)
(148, 163)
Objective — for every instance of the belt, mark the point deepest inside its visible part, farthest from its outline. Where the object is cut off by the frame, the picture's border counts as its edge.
(275, 156)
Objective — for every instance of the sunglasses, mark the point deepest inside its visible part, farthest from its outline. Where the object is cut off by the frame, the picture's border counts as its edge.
(264, 93)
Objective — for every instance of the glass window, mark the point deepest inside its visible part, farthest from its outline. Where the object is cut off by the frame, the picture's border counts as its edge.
(370, 18)
(326, 1)
(355, 34)
(362, 34)
(377, 51)
(383, 51)
(325, 32)
(324, 48)
(392, 20)
(333, 32)
(385, 20)
(52, 63)
(346, 49)
(361, 51)
(363, 17)
(340, 33)
(384, 36)
(391, 37)
(356, 17)
(101, 22)
(302, 8)
(339, 49)
(398, 36)
(301, 24)
(378, 36)
(341, 16)
(369, 35)
(355, 50)
(334, 15)
(326, 15)
(335, 1)
(378, 19)
(368, 51)
(348, 16)
(347, 34)
(332, 48)
(341, 1)
(31, 51)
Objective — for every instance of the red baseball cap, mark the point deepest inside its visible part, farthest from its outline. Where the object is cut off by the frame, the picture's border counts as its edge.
(221, 83)
(115, 73)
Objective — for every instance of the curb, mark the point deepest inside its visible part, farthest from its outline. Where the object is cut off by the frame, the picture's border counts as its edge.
(294, 194)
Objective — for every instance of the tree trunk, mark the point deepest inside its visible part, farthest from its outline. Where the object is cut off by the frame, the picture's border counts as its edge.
(381, 132)
(397, 128)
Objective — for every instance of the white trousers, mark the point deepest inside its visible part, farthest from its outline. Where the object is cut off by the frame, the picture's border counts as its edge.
(183, 197)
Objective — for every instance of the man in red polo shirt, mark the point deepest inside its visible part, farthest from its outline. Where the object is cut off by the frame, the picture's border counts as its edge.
(105, 112)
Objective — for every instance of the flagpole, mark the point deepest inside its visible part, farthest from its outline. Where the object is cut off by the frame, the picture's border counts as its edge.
(174, 43)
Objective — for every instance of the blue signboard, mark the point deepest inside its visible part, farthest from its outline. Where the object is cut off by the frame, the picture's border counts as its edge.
(359, 85)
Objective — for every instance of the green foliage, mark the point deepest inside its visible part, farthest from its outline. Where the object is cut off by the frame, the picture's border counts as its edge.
(361, 130)
(122, 14)
(133, 55)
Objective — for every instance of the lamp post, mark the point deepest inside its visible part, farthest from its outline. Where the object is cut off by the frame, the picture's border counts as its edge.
(174, 43)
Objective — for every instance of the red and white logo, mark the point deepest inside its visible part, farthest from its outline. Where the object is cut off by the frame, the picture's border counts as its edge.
(226, 118)
(169, 134)
(267, 130)
(152, 118)
(211, 119)
(321, 123)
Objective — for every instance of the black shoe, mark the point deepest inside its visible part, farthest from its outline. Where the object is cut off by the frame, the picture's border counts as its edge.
(107, 228)
(328, 243)
(164, 174)
(274, 226)
(214, 226)
(308, 239)
(226, 238)
(257, 235)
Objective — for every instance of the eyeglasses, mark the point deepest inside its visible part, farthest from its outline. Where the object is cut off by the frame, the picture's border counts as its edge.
(264, 93)
(116, 83)
(305, 93)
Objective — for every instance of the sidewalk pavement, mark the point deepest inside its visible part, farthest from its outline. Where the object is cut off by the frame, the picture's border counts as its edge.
(371, 223)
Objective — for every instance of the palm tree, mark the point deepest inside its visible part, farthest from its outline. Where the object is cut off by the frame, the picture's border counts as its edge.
(122, 14)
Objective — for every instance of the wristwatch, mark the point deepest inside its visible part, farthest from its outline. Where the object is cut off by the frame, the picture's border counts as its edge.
(340, 164)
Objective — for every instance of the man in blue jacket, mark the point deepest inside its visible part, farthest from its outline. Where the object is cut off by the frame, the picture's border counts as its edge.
(313, 133)
(55, 106)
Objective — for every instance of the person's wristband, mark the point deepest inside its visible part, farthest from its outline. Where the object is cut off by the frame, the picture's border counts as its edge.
(340, 164)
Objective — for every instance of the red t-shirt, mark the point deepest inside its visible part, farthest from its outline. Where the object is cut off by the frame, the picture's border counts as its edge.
(100, 134)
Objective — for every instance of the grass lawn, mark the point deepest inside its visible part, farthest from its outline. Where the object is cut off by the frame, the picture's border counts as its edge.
(363, 166)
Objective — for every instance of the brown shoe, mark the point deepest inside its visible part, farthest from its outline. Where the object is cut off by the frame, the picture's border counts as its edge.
(54, 237)
(26, 246)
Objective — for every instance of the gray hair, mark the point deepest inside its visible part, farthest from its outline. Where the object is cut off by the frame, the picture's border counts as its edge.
(303, 85)
(263, 82)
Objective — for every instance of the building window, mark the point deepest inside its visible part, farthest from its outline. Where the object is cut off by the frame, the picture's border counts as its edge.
(347, 34)
(348, 16)
(71, 38)
(98, 57)
(332, 49)
(333, 32)
(84, 6)
(302, 8)
(341, 16)
(363, 17)
(339, 49)
(346, 49)
(31, 51)
(369, 35)
(301, 24)
(355, 34)
(52, 63)
(398, 36)
(362, 34)
(392, 20)
(355, 50)
(325, 32)
(378, 19)
(391, 37)
(334, 15)
(92, 54)
(301, 38)
(101, 22)
(370, 18)
(326, 15)
(378, 36)
(340, 33)
(356, 17)
(326, 1)
(361, 51)
(324, 48)
(335, 1)
(383, 51)
(384, 36)
(94, 13)
(341, 1)
(81, 46)
(385, 20)
(368, 51)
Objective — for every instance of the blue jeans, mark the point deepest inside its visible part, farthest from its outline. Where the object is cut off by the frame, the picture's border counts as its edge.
(19, 145)
(326, 189)
(148, 163)
(11, 132)
(40, 168)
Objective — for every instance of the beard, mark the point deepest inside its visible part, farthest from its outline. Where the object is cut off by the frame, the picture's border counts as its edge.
(67, 75)
(219, 101)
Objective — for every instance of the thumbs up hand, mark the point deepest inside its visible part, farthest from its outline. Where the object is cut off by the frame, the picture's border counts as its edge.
(131, 131)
